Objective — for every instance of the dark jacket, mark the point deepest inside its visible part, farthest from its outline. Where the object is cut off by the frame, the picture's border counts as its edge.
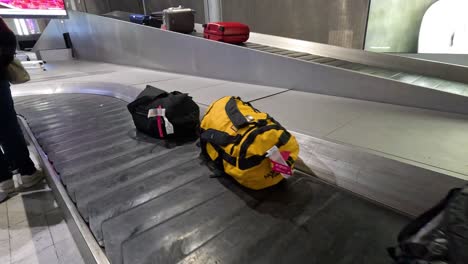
(7, 47)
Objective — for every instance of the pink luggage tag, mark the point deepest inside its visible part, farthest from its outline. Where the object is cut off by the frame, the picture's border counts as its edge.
(278, 161)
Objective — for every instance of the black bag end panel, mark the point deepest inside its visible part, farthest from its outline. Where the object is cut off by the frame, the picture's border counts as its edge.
(457, 227)
(440, 235)
(181, 112)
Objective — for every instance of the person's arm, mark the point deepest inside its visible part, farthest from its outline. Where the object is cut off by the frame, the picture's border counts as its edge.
(7, 44)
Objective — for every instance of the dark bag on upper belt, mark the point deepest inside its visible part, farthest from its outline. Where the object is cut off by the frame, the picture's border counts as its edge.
(151, 21)
(439, 236)
(179, 19)
(173, 116)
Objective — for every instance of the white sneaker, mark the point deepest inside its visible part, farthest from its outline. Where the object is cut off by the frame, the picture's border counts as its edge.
(6, 187)
(28, 181)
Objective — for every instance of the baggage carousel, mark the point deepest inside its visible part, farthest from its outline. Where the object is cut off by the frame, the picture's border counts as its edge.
(146, 203)
(362, 120)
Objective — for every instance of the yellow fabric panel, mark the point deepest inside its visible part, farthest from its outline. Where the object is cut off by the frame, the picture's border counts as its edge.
(211, 152)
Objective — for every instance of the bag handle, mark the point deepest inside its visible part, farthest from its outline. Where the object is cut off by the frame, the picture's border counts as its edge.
(255, 160)
(148, 95)
(234, 114)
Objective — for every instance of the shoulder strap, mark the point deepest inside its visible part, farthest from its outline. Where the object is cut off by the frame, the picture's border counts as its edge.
(219, 138)
(255, 160)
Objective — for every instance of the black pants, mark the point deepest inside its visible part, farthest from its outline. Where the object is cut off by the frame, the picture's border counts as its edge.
(15, 154)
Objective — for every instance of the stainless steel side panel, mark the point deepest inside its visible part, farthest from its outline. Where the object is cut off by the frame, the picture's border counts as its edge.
(336, 22)
(104, 39)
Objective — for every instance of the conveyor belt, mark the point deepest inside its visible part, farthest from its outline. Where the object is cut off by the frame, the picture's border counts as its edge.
(424, 81)
(149, 204)
(401, 76)
(414, 79)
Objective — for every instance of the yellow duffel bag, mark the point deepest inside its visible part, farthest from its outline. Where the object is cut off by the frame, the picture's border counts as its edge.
(241, 141)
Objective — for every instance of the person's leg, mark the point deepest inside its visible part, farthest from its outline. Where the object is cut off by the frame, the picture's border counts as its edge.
(5, 173)
(11, 136)
(6, 184)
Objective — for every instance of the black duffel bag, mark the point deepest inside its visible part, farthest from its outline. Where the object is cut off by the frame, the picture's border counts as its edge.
(439, 236)
(163, 115)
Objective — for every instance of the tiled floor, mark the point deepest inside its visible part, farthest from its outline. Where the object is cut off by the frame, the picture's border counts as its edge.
(33, 230)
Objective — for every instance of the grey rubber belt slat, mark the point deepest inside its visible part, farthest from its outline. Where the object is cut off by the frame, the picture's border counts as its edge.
(252, 45)
(323, 60)
(119, 148)
(274, 50)
(292, 225)
(43, 113)
(77, 99)
(42, 131)
(337, 63)
(86, 137)
(84, 146)
(141, 192)
(156, 211)
(150, 204)
(427, 82)
(269, 49)
(109, 168)
(76, 167)
(60, 122)
(26, 101)
(77, 134)
(309, 57)
(96, 151)
(285, 52)
(70, 118)
(297, 54)
(94, 190)
(352, 66)
(67, 131)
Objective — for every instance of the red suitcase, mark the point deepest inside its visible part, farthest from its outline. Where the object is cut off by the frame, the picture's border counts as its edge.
(230, 32)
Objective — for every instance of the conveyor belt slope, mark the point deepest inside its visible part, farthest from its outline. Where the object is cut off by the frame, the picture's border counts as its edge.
(403, 76)
(147, 203)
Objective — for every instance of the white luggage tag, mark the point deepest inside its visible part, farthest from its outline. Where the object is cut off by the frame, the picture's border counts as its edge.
(162, 113)
(167, 124)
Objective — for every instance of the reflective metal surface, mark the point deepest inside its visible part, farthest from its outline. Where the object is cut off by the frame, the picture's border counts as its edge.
(104, 39)
(335, 22)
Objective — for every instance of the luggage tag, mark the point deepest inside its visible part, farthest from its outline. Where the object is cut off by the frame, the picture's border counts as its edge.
(278, 161)
(161, 112)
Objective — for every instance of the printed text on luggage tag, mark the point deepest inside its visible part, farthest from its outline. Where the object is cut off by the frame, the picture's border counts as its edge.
(285, 170)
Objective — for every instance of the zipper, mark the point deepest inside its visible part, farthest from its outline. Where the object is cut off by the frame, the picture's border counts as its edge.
(141, 114)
